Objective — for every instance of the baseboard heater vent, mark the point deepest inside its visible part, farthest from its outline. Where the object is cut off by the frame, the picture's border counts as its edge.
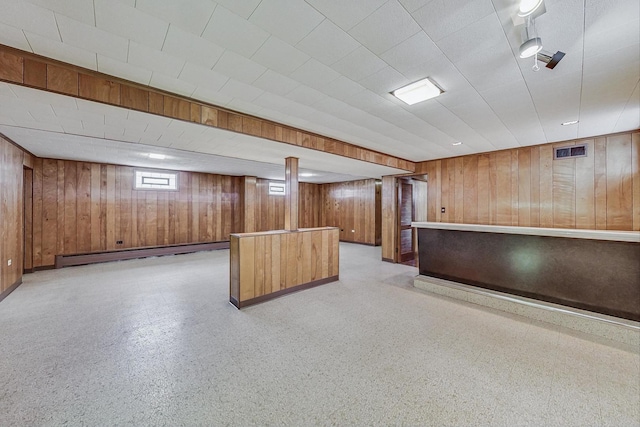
(119, 255)
(570, 152)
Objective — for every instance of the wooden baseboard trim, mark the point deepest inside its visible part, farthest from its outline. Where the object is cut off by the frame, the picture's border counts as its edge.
(282, 292)
(44, 267)
(388, 260)
(134, 253)
(10, 289)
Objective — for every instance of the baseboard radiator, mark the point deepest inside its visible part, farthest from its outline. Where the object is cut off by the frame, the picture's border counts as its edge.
(133, 253)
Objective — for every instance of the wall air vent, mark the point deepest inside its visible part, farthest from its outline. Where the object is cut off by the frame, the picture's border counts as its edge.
(570, 152)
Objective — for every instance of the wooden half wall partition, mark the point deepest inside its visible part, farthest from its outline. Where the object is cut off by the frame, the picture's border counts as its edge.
(269, 264)
(27, 69)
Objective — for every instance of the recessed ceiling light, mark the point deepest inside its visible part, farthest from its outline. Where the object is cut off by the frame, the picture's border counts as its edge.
(572, 122)
(527, 7)
(417, 92)
(456, 143)
(305, 174)
(157, 156)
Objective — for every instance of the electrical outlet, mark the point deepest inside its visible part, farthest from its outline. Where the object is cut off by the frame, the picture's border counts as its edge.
(119, 242)
(9, 261)
(353, 231)
(442, 209)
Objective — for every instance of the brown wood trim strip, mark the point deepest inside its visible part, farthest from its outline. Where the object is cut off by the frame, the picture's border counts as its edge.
(282, 292)
(97, 257)
(71, 80)
(388, 260)
(10, 289)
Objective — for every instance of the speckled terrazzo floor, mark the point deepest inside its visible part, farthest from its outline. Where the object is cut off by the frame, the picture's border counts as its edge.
(155, 342)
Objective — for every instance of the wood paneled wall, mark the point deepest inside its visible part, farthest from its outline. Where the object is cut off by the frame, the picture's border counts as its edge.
(11, 215)
(355, 208)
(86, 207)
(27, 69)
(526, 187)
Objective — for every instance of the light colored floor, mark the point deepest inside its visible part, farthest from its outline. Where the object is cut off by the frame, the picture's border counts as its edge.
(156, 342)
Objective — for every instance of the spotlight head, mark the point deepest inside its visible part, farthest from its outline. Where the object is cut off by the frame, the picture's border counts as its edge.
(530, 47)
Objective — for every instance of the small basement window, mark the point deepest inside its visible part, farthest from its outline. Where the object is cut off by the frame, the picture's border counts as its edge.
(276, 189)
(152, 180)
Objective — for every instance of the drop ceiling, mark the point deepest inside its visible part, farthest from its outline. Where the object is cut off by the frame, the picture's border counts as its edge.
(327, 66)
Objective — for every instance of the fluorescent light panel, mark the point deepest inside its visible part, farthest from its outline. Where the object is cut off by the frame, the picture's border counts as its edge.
(417, 92)
(572, 122)
(157, 156)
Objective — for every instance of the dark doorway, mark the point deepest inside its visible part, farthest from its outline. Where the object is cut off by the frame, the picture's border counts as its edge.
(406, 214)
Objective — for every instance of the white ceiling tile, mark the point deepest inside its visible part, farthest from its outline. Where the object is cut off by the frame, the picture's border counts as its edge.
(172, 84)
(192, 48)
(630, 116)
(288, 20)
(202, 77)
(275, 83)
(80, 10)
(235, 33)
(602, 15)
(125, 123)
(243, 91)
(470, 47)
(238, 67)
(305, 95)
(342, 88)
(29, 17)
(103, 109)
(280, 56)
(154, 60)
(346, 14)
(413, 5)
(365, 100)
(359, 64)
(243, 8)
(440, 18)
(415, 50)
(92, 39)
(52, 48)
(78, 115)
(191, 15)
(384, 81)
(40, 97)
(314, 74)
(13, 37)
(129, 22)
(388, 26)
(328, 43)
(123, 70)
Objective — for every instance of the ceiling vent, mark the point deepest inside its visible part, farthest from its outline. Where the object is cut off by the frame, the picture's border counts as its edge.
(570, 152)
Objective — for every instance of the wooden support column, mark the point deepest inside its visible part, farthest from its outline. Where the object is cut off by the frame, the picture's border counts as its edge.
(249, 202)
(291, 193)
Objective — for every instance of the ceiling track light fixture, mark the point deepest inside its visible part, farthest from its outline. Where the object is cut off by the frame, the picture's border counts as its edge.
(533, 43)
(529, 10)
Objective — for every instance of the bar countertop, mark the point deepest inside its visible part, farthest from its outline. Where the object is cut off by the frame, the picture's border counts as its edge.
(613, 235)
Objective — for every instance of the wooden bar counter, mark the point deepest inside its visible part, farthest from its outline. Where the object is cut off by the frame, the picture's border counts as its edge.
(266, 265)
(594, 270)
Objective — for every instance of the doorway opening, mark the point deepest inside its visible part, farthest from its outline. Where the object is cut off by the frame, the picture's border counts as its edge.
(412, 206)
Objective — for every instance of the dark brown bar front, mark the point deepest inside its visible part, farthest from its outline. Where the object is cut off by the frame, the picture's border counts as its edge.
(596, 275)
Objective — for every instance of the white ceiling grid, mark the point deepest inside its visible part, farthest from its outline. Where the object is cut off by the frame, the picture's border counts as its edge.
(328, 66)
